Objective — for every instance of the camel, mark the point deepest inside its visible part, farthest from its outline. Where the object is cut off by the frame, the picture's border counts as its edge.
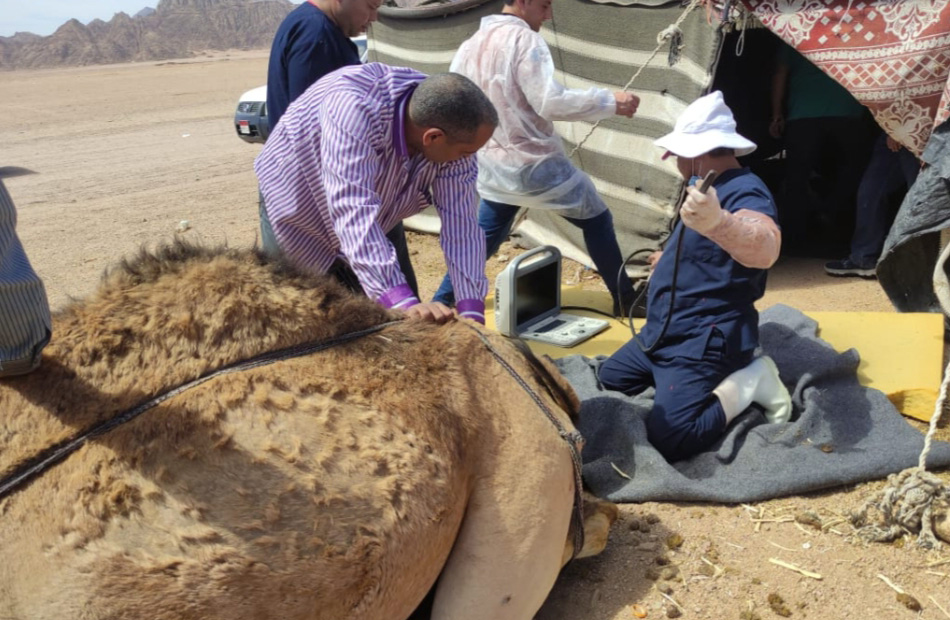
(343, 484)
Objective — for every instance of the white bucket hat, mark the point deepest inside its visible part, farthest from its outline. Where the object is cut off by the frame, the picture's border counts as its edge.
(704, 125)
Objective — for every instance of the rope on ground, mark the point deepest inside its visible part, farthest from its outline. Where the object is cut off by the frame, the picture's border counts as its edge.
(912, 500)
(671, 33)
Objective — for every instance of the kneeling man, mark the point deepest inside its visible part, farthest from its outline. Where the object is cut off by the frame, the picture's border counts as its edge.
(698, 344)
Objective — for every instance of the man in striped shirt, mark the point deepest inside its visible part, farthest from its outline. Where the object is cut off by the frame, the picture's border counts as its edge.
(24, 310)
(313, 40)
(364, 148)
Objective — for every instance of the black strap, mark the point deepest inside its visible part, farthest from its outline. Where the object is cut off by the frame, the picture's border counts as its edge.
(56, 453)
(573, 438)
(53, 455)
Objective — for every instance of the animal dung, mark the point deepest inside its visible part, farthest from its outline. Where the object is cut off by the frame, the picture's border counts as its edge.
(807, 517)
(674, 541)
(909, 601)
(777, 604)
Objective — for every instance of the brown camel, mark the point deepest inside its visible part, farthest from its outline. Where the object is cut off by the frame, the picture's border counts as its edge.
(337, 485)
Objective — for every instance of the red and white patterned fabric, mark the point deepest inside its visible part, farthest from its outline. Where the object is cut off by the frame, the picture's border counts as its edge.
(892, 55)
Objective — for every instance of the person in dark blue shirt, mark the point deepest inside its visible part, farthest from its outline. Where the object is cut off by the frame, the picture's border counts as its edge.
(312, 41)
(698, 344)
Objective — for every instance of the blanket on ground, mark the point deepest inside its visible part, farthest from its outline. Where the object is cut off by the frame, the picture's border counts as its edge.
(841, 432)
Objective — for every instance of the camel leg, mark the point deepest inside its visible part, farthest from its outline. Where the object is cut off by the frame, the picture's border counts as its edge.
(509, 549)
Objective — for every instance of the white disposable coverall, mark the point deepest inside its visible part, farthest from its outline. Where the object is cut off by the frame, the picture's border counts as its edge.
(524, 162)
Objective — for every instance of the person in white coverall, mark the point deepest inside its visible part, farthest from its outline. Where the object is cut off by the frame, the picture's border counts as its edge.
(524, 163)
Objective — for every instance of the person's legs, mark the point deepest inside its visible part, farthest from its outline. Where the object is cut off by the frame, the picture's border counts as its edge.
(268, 240)
(798, 200)
(910, 166)
(601, 241)
(343, 273)
(495, 219)
(687, 417)
(397, 236)
(881, 178)
(851, 143)
(760, 383)
(629, 370)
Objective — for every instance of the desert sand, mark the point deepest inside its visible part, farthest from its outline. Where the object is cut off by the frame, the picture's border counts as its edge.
(103, 160)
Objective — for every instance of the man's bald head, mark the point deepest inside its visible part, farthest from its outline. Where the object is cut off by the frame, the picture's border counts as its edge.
(452, 103)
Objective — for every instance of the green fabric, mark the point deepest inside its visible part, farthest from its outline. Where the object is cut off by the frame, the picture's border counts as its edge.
(811, 93)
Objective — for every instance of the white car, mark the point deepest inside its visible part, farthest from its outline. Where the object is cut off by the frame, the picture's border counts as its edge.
(250, 118)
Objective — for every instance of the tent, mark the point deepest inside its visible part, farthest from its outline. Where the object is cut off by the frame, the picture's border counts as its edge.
(892, 55)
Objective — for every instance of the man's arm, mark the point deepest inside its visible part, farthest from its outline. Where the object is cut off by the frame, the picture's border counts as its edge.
(550, 99)
(462, 240)
(750, 237)
(350, 160)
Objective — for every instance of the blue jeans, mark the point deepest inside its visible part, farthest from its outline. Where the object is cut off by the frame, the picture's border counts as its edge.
(396, 236)
(495, 219)
(887, 172)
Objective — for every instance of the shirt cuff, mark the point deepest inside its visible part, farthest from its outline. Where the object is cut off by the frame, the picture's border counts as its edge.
(399, 297)
(473, 309)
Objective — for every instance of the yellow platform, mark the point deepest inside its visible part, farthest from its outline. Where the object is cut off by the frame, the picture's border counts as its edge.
(901, 353)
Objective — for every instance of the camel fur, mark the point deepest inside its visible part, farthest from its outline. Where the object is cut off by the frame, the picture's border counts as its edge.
(339, 485)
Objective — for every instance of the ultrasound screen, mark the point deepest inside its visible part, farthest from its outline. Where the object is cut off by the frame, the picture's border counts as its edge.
(536, 293)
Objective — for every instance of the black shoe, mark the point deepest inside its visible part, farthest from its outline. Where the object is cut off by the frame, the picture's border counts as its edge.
(848, 268)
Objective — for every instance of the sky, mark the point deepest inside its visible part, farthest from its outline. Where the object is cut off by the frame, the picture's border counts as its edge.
(43, 17)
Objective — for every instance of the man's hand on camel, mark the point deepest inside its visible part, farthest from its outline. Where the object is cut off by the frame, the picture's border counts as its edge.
(431, 311)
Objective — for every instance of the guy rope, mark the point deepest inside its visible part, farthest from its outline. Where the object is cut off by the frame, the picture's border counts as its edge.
(671, 33)
(914, 499)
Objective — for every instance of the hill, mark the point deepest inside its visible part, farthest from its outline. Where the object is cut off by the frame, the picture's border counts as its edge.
(174, 29)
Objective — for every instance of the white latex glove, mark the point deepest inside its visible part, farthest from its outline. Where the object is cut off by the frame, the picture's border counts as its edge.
(701, 212)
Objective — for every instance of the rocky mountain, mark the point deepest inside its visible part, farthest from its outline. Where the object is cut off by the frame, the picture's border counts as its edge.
(174, 29)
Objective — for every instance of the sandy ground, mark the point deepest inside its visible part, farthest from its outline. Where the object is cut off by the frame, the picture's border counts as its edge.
(102, 160)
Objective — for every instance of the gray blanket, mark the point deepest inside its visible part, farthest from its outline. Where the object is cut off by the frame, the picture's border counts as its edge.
(840, 433)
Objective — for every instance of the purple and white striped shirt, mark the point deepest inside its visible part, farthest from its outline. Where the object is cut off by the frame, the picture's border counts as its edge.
(336, 173)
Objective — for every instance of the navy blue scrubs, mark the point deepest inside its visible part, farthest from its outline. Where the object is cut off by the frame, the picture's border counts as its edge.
(713, 329)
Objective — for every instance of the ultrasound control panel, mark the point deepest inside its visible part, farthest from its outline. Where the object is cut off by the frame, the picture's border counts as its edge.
(565, 333)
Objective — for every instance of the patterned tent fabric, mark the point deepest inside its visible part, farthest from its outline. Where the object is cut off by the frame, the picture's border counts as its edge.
(592, 45)
(893, 55)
